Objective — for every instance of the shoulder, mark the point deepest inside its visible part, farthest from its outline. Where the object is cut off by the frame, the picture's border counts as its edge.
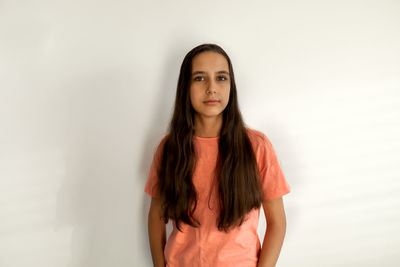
(163, 140)
(257, 138)
(262, 147)
(160, 146)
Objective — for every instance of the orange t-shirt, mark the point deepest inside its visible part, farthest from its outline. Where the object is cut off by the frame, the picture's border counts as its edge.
(206, 245)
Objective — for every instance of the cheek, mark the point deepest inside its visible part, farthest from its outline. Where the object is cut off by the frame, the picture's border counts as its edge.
(192, 90)
(226, 95)
(193, 97)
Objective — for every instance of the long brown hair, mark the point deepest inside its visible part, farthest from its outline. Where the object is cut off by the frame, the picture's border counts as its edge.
(238, 177)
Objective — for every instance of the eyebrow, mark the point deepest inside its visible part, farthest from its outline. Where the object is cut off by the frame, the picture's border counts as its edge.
(202, 72)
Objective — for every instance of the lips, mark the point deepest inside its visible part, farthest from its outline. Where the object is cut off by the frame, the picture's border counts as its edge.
(211, 101)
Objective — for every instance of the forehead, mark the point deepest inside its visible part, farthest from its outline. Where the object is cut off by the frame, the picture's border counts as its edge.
(209, 60)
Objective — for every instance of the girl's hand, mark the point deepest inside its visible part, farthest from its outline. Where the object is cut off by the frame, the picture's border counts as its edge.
(276, 228)
(157, 233)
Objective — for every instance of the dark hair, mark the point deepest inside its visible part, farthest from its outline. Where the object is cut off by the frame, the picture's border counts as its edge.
(238, 177)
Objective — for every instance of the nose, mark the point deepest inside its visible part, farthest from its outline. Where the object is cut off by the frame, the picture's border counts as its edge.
(209, 90)
(211, 87)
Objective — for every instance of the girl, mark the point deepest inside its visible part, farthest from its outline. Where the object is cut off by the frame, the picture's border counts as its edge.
(211, 173)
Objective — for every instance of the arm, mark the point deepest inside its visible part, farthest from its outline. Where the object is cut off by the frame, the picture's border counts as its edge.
(275, 233)
(157, 233)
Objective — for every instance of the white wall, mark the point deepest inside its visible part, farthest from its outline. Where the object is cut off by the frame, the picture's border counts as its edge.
(87, 89)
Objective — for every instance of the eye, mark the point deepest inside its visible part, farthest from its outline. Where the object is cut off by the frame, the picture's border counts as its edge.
(222, 78)
(198, 78)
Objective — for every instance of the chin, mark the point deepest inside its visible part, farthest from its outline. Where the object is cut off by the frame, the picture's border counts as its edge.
(212, 114)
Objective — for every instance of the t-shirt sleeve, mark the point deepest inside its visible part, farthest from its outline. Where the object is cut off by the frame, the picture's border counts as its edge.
(273, 180)
(151, 187)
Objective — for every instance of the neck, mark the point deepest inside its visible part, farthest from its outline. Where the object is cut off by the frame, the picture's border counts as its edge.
(207, 126)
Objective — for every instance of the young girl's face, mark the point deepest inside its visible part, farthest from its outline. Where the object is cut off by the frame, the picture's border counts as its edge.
(209, 81)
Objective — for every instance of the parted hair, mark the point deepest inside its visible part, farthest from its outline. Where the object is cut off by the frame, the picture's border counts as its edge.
(236, 169)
